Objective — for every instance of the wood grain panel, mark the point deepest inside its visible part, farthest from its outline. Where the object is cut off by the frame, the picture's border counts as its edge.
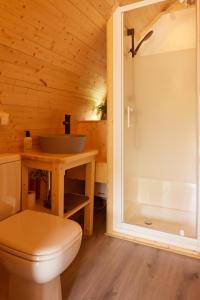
(141, 18)
(96, 132)
(52, 62)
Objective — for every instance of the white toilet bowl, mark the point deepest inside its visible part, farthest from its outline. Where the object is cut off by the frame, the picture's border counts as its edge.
(36, 248)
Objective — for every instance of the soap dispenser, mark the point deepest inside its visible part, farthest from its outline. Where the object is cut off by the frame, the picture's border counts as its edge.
(27, 141)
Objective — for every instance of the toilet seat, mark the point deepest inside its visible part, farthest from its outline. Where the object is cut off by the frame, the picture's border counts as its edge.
(37, 258)
(36, 236)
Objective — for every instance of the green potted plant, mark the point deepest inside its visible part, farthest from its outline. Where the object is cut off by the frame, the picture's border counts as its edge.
(102, 110)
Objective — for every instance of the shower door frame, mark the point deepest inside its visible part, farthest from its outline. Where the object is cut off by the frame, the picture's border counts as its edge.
(116, 226)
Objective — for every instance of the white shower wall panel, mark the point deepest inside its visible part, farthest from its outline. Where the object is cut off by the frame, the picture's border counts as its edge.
(162, 200)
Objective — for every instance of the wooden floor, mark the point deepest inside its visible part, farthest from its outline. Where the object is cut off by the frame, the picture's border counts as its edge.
(109, 269)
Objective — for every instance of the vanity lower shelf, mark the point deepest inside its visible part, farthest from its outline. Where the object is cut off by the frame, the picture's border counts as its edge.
(57, 165)
(72, 204)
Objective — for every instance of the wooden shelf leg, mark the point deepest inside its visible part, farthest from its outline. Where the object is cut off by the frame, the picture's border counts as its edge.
(89, 191)
(57, 190)
(24, 186)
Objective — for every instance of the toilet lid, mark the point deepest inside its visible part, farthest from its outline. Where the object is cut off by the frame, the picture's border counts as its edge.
(37, 234)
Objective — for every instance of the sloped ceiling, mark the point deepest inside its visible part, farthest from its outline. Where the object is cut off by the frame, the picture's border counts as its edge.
(52, 62)
(142, 18)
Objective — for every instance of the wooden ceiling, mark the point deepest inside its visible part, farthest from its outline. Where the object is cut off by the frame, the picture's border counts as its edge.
(142, 18)
(52, 62)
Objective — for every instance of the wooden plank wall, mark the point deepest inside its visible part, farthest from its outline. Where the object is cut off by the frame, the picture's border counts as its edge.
(96, 132)
(52, 62)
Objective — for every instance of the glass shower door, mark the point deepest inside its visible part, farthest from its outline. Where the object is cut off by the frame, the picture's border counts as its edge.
(160, 124)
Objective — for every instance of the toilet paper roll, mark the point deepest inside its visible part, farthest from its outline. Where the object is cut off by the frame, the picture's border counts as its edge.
(31, 199)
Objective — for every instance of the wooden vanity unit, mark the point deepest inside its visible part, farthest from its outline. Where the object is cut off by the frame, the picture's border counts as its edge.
(58, 164)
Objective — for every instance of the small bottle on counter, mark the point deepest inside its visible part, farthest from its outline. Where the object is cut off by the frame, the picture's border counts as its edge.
(27, 141)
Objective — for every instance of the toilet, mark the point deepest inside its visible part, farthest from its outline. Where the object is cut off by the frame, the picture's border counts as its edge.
(35, 247)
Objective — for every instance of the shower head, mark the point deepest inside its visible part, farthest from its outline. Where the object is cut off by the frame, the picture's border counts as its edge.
(134, 50)
(147, 36)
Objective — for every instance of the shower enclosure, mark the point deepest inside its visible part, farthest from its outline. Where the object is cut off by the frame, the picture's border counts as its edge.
(154, 75)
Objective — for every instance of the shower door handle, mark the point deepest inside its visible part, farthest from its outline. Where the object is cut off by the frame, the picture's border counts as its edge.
(130, 111)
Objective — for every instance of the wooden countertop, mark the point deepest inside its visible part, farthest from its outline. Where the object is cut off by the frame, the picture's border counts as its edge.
(9, 157)
(59, 158)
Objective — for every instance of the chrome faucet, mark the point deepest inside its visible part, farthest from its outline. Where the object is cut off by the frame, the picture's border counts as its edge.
(67, 124)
